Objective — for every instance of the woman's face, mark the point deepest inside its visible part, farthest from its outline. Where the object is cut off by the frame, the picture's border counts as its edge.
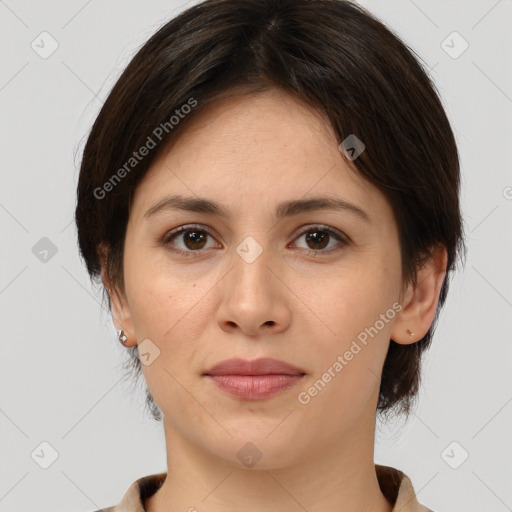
(305, 287)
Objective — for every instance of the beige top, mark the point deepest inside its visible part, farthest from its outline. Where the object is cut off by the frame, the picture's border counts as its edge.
(395, 485)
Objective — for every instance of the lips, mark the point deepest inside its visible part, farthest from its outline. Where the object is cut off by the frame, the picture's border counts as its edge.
(262, 366)
(259, 379)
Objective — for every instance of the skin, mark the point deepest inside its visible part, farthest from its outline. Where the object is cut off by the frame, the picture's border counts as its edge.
(249, 153)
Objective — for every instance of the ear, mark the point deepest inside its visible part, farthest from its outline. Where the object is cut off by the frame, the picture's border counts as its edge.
(121, 315)
(420, 300)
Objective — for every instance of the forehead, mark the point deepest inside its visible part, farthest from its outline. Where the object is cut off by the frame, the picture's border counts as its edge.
(256, 149)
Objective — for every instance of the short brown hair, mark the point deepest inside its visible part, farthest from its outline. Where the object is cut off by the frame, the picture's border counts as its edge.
(337, 58)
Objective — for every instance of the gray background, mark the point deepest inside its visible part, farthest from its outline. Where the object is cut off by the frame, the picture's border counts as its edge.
(60, 365)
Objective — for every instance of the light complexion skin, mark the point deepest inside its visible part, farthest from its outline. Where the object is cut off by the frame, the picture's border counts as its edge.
(303, 300)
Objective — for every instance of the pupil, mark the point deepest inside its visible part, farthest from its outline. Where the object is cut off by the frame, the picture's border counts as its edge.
(317, 239)
(314, 236)
(195, 237)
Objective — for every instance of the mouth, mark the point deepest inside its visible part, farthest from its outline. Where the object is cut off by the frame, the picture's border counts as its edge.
(261, 366)
(254, 380)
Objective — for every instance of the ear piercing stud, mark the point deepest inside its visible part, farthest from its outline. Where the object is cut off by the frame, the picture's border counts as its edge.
(122, 336)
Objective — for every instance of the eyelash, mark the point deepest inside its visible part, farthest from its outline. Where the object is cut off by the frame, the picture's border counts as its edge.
(168, 237)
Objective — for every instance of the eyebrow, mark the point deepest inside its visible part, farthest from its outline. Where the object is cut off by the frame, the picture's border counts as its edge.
(285, 209)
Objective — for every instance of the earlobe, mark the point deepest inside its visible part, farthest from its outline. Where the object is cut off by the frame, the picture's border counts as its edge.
(120, 312)
(420, 300)
(122, 318)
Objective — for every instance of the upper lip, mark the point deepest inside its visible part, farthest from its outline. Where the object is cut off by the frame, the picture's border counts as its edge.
(262, 366)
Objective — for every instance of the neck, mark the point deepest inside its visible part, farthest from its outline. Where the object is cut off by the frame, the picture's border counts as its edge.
(337, 476)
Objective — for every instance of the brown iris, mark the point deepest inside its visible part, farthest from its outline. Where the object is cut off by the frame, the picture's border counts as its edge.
(195, 239)
(318, 238)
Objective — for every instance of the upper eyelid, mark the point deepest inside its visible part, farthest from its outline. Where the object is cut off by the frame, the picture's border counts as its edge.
(299, 231)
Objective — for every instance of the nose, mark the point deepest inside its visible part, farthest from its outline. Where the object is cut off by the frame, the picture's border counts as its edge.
(254, 298)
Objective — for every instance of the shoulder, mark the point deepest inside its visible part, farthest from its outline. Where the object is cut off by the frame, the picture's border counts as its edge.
(398, 489)
(134, 498)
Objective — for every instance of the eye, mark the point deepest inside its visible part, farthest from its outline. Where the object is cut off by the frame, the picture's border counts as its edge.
(318, 237)
(193, 237)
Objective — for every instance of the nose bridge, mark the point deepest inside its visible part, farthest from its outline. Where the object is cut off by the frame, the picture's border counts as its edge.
(251, 263)
(252, 297)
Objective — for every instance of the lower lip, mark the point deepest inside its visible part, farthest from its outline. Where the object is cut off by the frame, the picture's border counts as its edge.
(254, 387)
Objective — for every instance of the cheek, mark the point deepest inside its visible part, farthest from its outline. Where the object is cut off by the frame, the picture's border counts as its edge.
(351, 301)
(357, 315)
(348, 364)
(153, 298)
(168, 307)
(159, 309)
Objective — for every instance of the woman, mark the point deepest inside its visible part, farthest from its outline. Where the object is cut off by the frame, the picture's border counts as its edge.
(270, 195)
